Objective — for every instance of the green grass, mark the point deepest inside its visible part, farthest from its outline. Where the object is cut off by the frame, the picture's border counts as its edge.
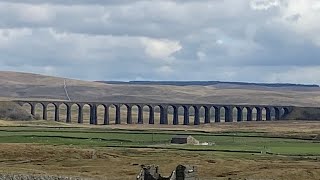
(158, 139)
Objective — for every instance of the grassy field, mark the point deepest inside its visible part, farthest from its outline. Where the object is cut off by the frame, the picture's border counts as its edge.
(277, 151)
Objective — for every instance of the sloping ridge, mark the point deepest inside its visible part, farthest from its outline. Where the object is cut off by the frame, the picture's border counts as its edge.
(15, 85)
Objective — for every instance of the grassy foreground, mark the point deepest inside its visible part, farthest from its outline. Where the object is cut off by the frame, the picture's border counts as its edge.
(101, 152)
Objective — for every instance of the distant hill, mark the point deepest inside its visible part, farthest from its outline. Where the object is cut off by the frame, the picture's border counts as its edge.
(211, 83)
(15, 85)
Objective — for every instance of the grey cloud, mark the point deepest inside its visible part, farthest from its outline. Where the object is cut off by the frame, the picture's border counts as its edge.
(102, 39)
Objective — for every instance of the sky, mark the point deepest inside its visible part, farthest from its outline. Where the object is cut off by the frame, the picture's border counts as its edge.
(273, 41)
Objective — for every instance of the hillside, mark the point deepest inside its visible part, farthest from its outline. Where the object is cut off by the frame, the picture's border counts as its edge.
(24, 85)
(221, 84)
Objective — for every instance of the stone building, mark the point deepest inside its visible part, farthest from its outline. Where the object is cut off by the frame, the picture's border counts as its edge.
(151, 172)
(182, 139)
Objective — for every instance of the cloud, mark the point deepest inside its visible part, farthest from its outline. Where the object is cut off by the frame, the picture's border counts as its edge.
(256, 40)
(264, 4)
(160, 49)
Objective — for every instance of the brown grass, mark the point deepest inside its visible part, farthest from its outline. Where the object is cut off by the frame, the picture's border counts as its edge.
(109, 163)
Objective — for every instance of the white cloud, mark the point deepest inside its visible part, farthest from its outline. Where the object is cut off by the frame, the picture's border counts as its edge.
(264, 4)
(35, 13)
(160, 48)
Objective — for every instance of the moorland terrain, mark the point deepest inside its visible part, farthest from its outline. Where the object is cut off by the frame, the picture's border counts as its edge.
(246, 150)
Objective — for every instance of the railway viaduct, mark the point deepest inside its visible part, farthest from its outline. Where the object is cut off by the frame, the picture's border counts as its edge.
(272, 112)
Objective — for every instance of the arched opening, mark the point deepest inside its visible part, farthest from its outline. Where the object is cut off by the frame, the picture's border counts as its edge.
(157, 110)
(134, 115)
(244, 114)
(112, 114)
(51, 108)
(86, 111)
(171, 111)
(39, 111)
(202, 114)
(28, 107)
(264, 113)
(180, 115)
(234, 112)
(222, 114)
(191, 115)
(76, 113)
(148, 114)
(62, 112)
(212, 114)
(254, 114)
(100, 114)
(126, 114)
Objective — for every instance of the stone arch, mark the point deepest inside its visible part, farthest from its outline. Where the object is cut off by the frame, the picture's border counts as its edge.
(40, 111)
(254, 113)
(63, 108)
(76, 113)
(101, 113)
(264, 113)
(222, 112)
(180, 110)
(86, 113)
(201, 115)
(29, 107)
(157, 110)
(112, 108)
(194, 115)
(51, 111)
(134, 113)
(212, 113)
(115, 113)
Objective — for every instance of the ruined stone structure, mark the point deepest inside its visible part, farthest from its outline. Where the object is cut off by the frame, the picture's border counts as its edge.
(151, 172)
(272, 112)
(182, 139)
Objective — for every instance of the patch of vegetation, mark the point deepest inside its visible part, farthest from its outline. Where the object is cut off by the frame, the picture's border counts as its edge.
(12, 111)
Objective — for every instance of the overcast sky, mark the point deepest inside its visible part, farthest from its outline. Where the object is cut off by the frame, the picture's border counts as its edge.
(230, 40)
